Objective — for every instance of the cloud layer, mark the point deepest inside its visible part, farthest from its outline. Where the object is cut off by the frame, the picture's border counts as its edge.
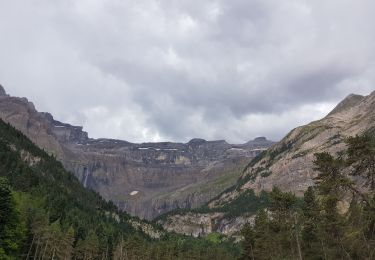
(151, 70)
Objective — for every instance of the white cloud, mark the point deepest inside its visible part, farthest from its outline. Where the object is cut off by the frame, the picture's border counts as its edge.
(172, 70)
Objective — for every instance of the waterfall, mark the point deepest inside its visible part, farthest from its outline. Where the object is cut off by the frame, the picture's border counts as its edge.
(86, 172)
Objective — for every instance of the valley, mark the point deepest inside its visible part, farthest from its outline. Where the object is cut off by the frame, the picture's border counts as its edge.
(145, 179)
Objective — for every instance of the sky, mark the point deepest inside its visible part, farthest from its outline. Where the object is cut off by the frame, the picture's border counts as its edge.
(165, 70)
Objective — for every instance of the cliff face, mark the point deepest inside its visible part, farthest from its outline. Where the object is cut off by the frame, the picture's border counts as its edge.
(289, 163)
(144, 179)
(201, 224)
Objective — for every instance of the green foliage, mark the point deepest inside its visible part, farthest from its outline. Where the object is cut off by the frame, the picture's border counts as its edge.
(265, 174)
(361, 156)
(257, 159)
(310, 216)
(215, 237)
(280, 149)
(12, 230)
(246, 203)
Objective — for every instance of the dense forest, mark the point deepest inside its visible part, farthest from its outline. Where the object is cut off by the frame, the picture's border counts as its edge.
(45, 213)
(335, 219)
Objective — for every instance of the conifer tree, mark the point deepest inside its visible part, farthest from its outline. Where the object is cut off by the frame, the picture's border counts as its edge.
(332, 185)
(283, 223)
(361, 156)
(67, 241)
(262, 236)
(12, 231)
(120, 252)
(312, 244)
(88, 248)
(249, 239)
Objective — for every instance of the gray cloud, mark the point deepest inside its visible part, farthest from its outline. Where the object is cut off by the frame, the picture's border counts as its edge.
(172, 70)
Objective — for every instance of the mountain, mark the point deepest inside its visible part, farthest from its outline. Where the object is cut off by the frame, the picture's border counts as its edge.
(46, 213)
(145, 179)
(287, 165)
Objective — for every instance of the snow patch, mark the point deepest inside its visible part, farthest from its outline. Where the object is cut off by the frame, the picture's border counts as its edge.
(133, 193)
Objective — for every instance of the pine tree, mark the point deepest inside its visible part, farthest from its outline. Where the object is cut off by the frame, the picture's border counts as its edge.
(88, 248)
(283, 223)
(262, 236)
(332, 186)
(12, 230)
(39, 226)
(361, 156)
(120, 252)
(312, 244)
(248, 243)
(133, 247)
(67, 245)
(361, 159)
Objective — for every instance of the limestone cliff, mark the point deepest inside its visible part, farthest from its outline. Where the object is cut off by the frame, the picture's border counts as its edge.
(146, 179)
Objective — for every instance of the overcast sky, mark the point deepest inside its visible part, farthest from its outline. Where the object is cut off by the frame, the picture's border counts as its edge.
(172, 70)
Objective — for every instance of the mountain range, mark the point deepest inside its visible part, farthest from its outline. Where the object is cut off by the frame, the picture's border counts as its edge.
(46, 213)
(199, 187)
(147, 179)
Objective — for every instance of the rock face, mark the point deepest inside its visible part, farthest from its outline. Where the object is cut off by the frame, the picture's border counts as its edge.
(289, 163)
(145, 179)
(201, 224)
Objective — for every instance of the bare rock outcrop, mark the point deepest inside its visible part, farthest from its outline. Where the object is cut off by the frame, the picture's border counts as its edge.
(201, 224)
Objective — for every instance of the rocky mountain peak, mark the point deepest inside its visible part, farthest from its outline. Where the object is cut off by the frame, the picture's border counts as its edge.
(289, 164)
(350, 101)
(48, 116)
(260, 141)
(197, 141)
(2, 91)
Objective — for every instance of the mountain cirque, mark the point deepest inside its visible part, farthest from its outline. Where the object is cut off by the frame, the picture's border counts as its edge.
(287, 165)
(146, 179)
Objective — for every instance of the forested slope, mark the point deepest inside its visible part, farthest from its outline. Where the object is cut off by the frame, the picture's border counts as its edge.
(45, 213)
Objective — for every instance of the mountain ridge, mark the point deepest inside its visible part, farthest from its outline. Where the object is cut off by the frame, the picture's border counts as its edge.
(287, 165)
(136, 177)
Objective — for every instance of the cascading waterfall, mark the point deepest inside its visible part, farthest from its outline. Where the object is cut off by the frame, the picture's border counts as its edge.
(86, 173)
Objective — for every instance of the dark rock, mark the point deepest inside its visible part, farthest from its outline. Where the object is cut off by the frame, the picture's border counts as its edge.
(2, 91)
